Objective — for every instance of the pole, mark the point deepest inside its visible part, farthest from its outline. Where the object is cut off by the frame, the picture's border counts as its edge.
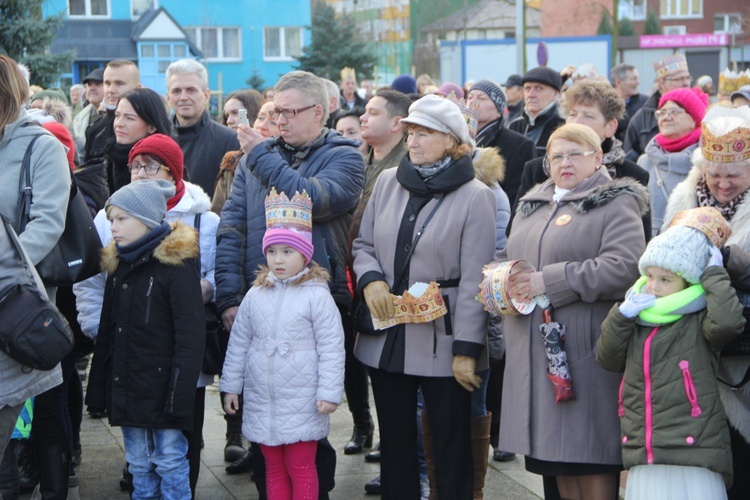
(520, 38)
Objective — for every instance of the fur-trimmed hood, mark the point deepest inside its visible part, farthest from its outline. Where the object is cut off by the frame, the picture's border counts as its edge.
(489, 166)
(594, 192)
(264, 278)
(230, 161)
(178, 246)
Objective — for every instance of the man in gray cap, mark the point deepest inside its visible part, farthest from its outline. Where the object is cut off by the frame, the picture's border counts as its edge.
(90, 113)
(541, 88)
(741, 97)
(513, 87)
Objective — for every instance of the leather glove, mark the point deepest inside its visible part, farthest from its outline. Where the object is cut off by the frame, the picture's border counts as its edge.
(464, 368)
(716, 258)
(379, 299)
(636, 303)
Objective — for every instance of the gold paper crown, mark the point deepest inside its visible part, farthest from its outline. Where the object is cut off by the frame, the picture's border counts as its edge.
(348, 72)
(730, 81)
(707, 220)
(410, 309)
(671, 64)
(281, 212)
(495, 289)
(728, 148)
(470, 113)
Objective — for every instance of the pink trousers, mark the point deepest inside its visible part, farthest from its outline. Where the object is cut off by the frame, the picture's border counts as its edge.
(290, 471)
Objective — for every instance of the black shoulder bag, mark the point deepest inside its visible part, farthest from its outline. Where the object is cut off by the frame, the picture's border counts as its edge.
(75, 256)
(362, 317)
(217, 338)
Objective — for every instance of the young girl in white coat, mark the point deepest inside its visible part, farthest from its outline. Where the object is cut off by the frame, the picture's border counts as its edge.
(286, 353)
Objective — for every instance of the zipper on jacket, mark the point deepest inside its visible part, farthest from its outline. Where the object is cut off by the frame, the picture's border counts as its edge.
(114, 286)
(174, 389)
(271, 389)
(434, 340)
(620, 407)
(148, 298)
(687, 379)
(647, 394)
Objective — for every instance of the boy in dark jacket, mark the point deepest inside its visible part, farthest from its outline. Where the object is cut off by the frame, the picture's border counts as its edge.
(151, 338)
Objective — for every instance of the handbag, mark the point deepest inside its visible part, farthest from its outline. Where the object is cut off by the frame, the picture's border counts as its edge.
(32, 330)
(75, 256)
(362, 317)
(217, 338)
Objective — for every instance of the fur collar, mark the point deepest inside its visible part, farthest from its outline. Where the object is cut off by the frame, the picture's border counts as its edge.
(193, 201)
(316, 273)
(230, 161)
(684, 197)
(586, 200)
(179, 245)
(489, 166)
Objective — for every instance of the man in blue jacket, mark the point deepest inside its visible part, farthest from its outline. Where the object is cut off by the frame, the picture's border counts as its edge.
(306, 156)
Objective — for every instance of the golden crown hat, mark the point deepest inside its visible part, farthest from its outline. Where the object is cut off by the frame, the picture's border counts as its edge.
(469, 112)
(281, 212)
(494, 290)
(732, 147)
(348, 72)
(410, 309)
(670, 64)
(707, 220)
(730, 81)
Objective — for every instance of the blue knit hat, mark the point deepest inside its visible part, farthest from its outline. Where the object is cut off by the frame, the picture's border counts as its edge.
(406, 84)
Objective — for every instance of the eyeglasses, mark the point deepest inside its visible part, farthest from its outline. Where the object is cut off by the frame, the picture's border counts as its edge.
(685, 79)
(150, 169)
(288, 113)
(576, 156)
(668, 112)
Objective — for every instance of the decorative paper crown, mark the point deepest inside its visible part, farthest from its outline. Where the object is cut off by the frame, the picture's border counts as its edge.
(348, 72)
(495, 291)
(734, 146)
(730, 81)
(707, 220)
(671, 64)
(470, 113)
(281, 212)
(410, 309)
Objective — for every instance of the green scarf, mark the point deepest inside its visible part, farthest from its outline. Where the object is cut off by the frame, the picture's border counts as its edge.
(672, 307)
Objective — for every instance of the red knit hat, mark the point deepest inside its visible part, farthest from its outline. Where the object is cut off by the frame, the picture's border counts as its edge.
(63, 135)
(170, 153)
(693, 100)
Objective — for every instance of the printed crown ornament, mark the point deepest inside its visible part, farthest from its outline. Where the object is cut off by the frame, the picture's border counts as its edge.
(707, 220)
(469, 112)
(730, 81)
(734, 146)
(421, 303)
(295, 214)
(348, 72)
(669, 65)
(495, 289)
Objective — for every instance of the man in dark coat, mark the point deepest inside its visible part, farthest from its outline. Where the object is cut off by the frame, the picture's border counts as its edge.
(349, 98)
(203, 141)
(541, 88)
(624, 78)
(513, 88)
(514, 148)
(671, 73)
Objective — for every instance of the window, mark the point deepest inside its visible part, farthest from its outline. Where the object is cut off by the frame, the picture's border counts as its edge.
(727, 23)
(674, 30)
(217, 44)
(282, 43)
(140, 7)
(635, 10)
(681, 8)
(88, 8)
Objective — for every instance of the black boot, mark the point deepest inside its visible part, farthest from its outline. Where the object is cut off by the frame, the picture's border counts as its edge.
(29, 474)
(234, 450)
(242, 465)
(54, 471)
(362, 435)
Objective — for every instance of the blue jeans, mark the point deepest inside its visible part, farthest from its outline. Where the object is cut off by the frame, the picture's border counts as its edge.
(479, 396)
(157, 459)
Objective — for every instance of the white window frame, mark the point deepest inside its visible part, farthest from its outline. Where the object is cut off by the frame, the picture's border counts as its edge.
(88, 14)
(675, 6)
(627, 8)
(726, 16)
(219, 42)
(674, 30)
(282, 40)
(134, 16)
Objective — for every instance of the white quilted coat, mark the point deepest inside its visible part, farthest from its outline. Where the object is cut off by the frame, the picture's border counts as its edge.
(286, 353)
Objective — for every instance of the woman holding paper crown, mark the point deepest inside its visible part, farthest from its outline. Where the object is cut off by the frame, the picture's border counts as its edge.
(720, 178)
(431, 194)
(583, 233)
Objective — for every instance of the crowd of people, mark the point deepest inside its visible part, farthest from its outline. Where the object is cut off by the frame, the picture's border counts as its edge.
(284, 234)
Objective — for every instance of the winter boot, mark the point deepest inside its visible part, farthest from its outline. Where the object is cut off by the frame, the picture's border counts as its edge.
(234, 450)
(362, 435)
(54, 472)
(429, 455)
(480, 445)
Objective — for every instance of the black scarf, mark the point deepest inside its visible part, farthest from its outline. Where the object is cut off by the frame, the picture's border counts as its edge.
(485, 136)
(457, 174)
(131, 253)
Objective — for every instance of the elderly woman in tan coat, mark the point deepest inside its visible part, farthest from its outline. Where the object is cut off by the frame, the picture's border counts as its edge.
(439, 357)
(583, 233)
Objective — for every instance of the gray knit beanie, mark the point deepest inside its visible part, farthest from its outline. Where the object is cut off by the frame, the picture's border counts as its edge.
(680, 249)
(494, 92)
(144, 200)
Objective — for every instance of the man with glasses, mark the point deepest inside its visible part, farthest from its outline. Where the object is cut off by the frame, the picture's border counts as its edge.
(306, 156)
(671, 73)
(625, 81)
